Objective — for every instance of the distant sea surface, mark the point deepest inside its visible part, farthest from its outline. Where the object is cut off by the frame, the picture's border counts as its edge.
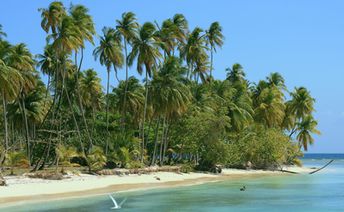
(323, 191)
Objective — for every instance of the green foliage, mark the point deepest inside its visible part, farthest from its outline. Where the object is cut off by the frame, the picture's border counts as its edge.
(96, 159)
(16, 159)
(263, 148)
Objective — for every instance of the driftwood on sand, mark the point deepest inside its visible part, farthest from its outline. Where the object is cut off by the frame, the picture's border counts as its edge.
(139, 170)
(322, 167)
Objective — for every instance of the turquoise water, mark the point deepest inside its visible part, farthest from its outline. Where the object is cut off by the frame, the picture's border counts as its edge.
(323, 191)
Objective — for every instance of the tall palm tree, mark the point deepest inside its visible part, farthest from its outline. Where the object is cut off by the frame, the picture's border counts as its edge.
(172, 33)
(91, 90)
(270, 107)
(299, 107)
(84, 22)
(214, 38)
(306, 127)
(52, 16)
(194, 51)
(21, 59)
(10, 82)
(109, 53)
(170, 96)
(127, 28)
(48, 64)
(302, 103)
(145, 49)
(66, 40)
(181, 27)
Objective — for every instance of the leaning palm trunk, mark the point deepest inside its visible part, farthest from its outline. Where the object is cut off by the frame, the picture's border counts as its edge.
(144, 119)
(4, 103)
(73, 115)
(79, 97)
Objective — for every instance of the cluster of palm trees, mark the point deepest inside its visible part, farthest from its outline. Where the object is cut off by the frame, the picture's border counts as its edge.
(136, 123)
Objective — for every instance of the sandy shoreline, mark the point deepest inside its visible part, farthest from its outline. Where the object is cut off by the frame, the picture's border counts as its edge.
(23, 189)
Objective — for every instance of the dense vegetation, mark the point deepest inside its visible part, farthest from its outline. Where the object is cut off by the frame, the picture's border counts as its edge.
(178, 113)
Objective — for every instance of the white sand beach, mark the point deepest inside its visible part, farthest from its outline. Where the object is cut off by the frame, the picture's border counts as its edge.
(23, 189)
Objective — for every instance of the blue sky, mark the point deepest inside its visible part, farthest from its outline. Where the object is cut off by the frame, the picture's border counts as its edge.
(303, 40)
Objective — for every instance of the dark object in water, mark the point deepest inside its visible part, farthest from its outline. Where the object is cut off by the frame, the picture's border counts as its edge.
(322, 167)
(157, 178)
(243, 188)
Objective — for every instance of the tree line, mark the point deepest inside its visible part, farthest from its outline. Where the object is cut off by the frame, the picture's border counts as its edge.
(178, 114)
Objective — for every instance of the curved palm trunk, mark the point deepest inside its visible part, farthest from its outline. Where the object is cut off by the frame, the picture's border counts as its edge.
(107, 111)
(79, 97)
(4, 103)
(73, 115)
(144, 118)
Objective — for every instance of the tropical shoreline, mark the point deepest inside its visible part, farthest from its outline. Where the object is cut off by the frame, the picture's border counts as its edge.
(22, 189)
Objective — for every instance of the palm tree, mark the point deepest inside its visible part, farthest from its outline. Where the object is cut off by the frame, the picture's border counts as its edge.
(66, 40)
(127, 28)
(181, 27)
(145, 49)
(2, 33)
(306, 127)
(170, 96)
(52, 16)
(172, 33)
(10, 82)
(83, 21)
(214, 38)
(302, 103)
(21, 59)
(109, 53)
(276, 79)
(135, 97)
(270, 107)
(298, 108)
(236, 73)
(193, 51)
(90, 90)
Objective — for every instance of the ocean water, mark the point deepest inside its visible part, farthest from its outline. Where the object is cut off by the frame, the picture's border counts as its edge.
(323, 191)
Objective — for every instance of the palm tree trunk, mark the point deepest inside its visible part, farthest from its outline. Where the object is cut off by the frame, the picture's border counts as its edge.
(126, 83)
(73, 115)
(144, 118)
(79, 97)
(107, 111)
(27, 137)
(165, 142)
(211, 61)
(162, 140)
(4, 103)
(156, 142)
